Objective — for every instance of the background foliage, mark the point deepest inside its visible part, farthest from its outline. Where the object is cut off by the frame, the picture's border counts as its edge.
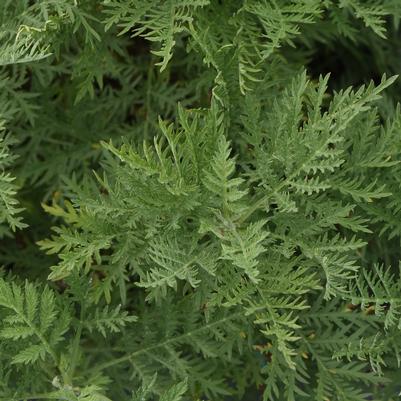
(200, 200)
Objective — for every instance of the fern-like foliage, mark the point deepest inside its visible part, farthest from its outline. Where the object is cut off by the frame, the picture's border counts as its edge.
(9, 205)
(193, 207)
(157, 21)
(105, 320)
(260, 250)
(29, 314)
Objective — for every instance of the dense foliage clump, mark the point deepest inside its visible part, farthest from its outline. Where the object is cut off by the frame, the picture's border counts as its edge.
(200, 200)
